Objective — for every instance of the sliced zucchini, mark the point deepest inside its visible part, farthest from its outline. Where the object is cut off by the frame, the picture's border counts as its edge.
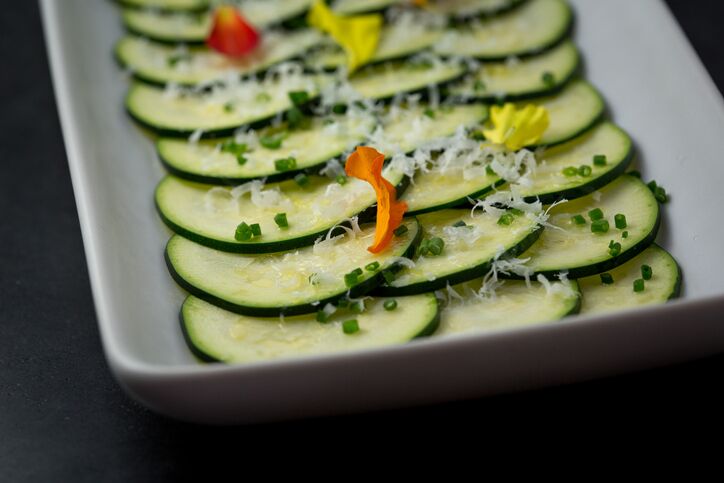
(218, 112)
(572, 111)
(550, 184)
(468, 250)
(193, 28)
(215, 334)
(353, 7)
(532, 28)
(464, 9)
(577, 250)
(383, 81)
(311, 147)
(397, 40)
(664, 284)
(528, 77)
(292, 283)
(515, 304)
(162, 64)
(168, 5)
(210, 214)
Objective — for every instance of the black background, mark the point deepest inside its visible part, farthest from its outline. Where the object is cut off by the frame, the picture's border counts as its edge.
(63, 417)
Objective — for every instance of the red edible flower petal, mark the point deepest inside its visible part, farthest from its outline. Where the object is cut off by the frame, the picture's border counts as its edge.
(231, 34)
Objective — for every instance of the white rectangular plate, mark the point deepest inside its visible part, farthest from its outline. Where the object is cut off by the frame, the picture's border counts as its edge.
(655, 87)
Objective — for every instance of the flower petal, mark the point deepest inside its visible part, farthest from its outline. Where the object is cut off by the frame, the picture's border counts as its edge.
(366, 163)
(231, 34)
(517, 128)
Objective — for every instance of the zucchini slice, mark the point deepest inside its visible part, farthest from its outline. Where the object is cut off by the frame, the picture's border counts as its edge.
(290, 283)
(535, 76)
(664, 284)
(550, 184)
(577, 250)
(168, 5)
(210, 214)
(465, 9)
(532, 28)
(218, 112)
(397, 40)
(214, 334)
(311, 147)
(405, 130)
(354, 7)
(572, 111)
(162, 64)
(193, 28)
(515, 304)
(468, 250)
(383, 81)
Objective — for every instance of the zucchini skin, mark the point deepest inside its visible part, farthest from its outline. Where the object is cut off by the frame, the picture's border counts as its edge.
(367, 214)
(356, 291)
(201, 8)
(458, 277)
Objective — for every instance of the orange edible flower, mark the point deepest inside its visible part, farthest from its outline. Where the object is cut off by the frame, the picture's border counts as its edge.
(366, 164)
(419, 3)
(231, 34)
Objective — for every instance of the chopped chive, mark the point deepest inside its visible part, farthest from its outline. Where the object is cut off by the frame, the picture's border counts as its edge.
(229, 107)
(372, 266)
(570, 171)
(175, 59)
(490, 171)
(477, 136)
(263, 97)
(400, 230)
(272, 142)
(322, 316)
(255, 229)
(595, 214)
(599, 160)
(298, 97)
(296, 118)
(614, 249)
(285, 164)
(634, 173)
(548, 79)
(429, 113)
(599, 226)
(578, 219)
(638, 285)
(301, 179)
(342, 303)
(281, 220)
(460, 223)
(388, 275)
(606, 278)
(479, 85)
(341, 179)
(233, 147)
(624, 234)
(350, 326)
(350, 279)
(358, 307)
(390, 304)
(339, 108)
(584, 170)
(646, 272)
(243, 232)
(620, 221)
(241, 159)
(424, 248)
(436, 245)
(515, 211)
(660, 195)
(505, 219)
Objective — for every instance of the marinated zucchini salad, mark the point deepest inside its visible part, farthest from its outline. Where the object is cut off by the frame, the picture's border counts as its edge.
(359, 173)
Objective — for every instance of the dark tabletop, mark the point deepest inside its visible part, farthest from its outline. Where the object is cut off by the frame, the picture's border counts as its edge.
(63, 417)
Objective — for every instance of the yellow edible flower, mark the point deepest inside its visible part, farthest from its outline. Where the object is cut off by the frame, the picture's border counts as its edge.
(358, 35)
(516, 128)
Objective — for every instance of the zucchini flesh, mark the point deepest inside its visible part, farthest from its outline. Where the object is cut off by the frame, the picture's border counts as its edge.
(535, 26)
(577, 250)
(206, 163)
(293, 282)
(572, 111)
(549, 184)
(215, 334)
(463, 9)
(468, 250)
(353, 7)
(523, 78)
(210, 214)
(162, 64)
(515, 304)
(252, 103)
(665, 284)
(168, 5)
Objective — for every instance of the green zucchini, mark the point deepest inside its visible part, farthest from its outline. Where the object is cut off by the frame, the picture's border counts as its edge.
(664, 284)
(468, 250)
(162, 64)
(515, 304)
(355, 7)
(536, 76)
(215, 334)
(467, 9)
(575, 249)
(289, 283)
(530, 29)
(210, 214)
(168, 5)
(218, 112)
